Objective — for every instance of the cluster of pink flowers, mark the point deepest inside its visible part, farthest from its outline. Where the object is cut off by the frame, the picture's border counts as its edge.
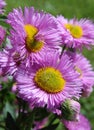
(43, 53)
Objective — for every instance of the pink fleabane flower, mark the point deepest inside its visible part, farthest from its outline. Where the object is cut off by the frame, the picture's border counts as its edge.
(32, 32)
(2, 5)
(86, 73)
(49, 83)
(76, 33)
(8, 62)
(82, 124)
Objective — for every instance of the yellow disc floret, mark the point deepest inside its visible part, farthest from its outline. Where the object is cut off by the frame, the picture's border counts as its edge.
(75, 30)
(49, 80)
(31, 43)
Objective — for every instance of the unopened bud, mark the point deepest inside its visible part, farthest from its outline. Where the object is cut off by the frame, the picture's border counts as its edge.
(70, 110)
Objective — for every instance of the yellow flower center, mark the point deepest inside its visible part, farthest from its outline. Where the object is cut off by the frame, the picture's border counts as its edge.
(79, 71)
(75, 30)
(31, 43)
(49, 80)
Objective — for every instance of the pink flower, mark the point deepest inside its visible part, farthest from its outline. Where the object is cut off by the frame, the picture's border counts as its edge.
(76, 33)
(49, 83)
(82, 124)
(85, 71)
(32, 33)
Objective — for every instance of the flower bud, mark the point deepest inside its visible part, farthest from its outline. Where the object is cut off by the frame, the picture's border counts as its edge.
(70, 110)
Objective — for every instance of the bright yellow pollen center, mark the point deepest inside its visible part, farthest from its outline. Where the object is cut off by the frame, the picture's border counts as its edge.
(31, 43)
(75, 30)
(79, 71)
(49, 80)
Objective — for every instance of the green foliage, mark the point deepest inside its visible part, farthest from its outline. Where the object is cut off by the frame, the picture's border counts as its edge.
(69, 8)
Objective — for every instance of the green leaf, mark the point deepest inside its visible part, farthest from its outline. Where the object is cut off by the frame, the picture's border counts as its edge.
(9, 108)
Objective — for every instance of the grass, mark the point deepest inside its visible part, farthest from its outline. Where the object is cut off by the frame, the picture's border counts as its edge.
(70, 9)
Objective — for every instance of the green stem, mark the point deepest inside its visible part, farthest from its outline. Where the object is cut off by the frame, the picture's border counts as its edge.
(30, 120)
(53, 117)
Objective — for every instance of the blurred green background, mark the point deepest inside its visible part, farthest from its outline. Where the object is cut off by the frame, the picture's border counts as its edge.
(70, 9)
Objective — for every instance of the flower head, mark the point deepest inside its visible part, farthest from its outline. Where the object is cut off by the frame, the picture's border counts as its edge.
(82, 124)
(32, 32)
(49, 83)
(86, 73)
(2, 5)
(8, 63)
(76, 33)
